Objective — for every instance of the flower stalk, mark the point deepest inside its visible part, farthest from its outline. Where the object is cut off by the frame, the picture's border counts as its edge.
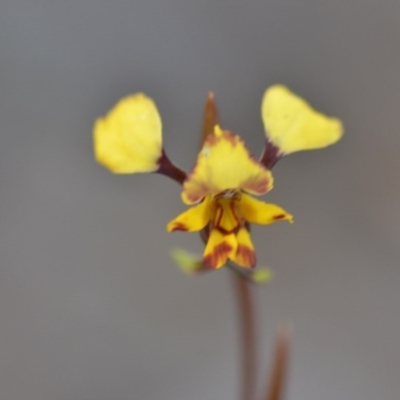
(167, 168)
(247, 331)
(277, 381)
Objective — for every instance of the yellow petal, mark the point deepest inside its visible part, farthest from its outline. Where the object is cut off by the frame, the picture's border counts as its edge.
(128, 139)
(193, 219)
(219, 248)
(225, 163)
(292, 124)
(258, 212)
(245, 255)
(226, 216)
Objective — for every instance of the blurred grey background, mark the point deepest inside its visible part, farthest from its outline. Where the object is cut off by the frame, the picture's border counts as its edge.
(91, 306)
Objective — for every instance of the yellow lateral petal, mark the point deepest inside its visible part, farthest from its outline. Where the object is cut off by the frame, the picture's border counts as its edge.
(225, 163)
(258, 212)
(292, 124)
(193, 219)
(245, 255)
(128, 139)
(219, 248)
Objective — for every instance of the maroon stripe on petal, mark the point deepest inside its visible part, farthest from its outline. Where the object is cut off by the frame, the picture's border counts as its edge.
(219, 253)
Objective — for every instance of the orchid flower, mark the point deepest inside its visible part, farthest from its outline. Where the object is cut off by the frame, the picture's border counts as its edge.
(221, 185)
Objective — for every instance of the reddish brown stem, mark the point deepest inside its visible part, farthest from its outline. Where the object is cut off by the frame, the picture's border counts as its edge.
(245, 305)
(167, 168)
(270, 155)
(276, 385)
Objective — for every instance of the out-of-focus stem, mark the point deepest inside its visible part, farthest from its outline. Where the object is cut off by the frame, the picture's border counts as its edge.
(276, 384)
(247, 326)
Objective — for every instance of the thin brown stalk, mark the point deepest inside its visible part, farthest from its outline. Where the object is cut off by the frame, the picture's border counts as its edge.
(247, 324)
(277, 381)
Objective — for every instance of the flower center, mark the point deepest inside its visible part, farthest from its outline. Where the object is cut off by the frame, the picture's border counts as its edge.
(229, 194)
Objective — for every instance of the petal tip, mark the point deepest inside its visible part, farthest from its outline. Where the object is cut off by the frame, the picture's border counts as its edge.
(176, 226)
(218, 257)
(245, 257)
(284, 217)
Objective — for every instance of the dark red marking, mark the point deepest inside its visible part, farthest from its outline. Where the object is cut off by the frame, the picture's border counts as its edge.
(166, 167)
(232, 138)
(218, 214)
(247, 256)
(219, 252)
(225, 231)
(234, 210)
(219, 210)
(203, 188)
(260, 187)
(178, 226)
(270, 156)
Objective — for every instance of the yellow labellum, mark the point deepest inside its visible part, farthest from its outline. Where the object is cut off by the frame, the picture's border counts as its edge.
(129, 139)
(226, 217)
(293, 125)
(219, 248)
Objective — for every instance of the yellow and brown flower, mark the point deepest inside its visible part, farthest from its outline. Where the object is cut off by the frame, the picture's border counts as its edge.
(221, 182)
